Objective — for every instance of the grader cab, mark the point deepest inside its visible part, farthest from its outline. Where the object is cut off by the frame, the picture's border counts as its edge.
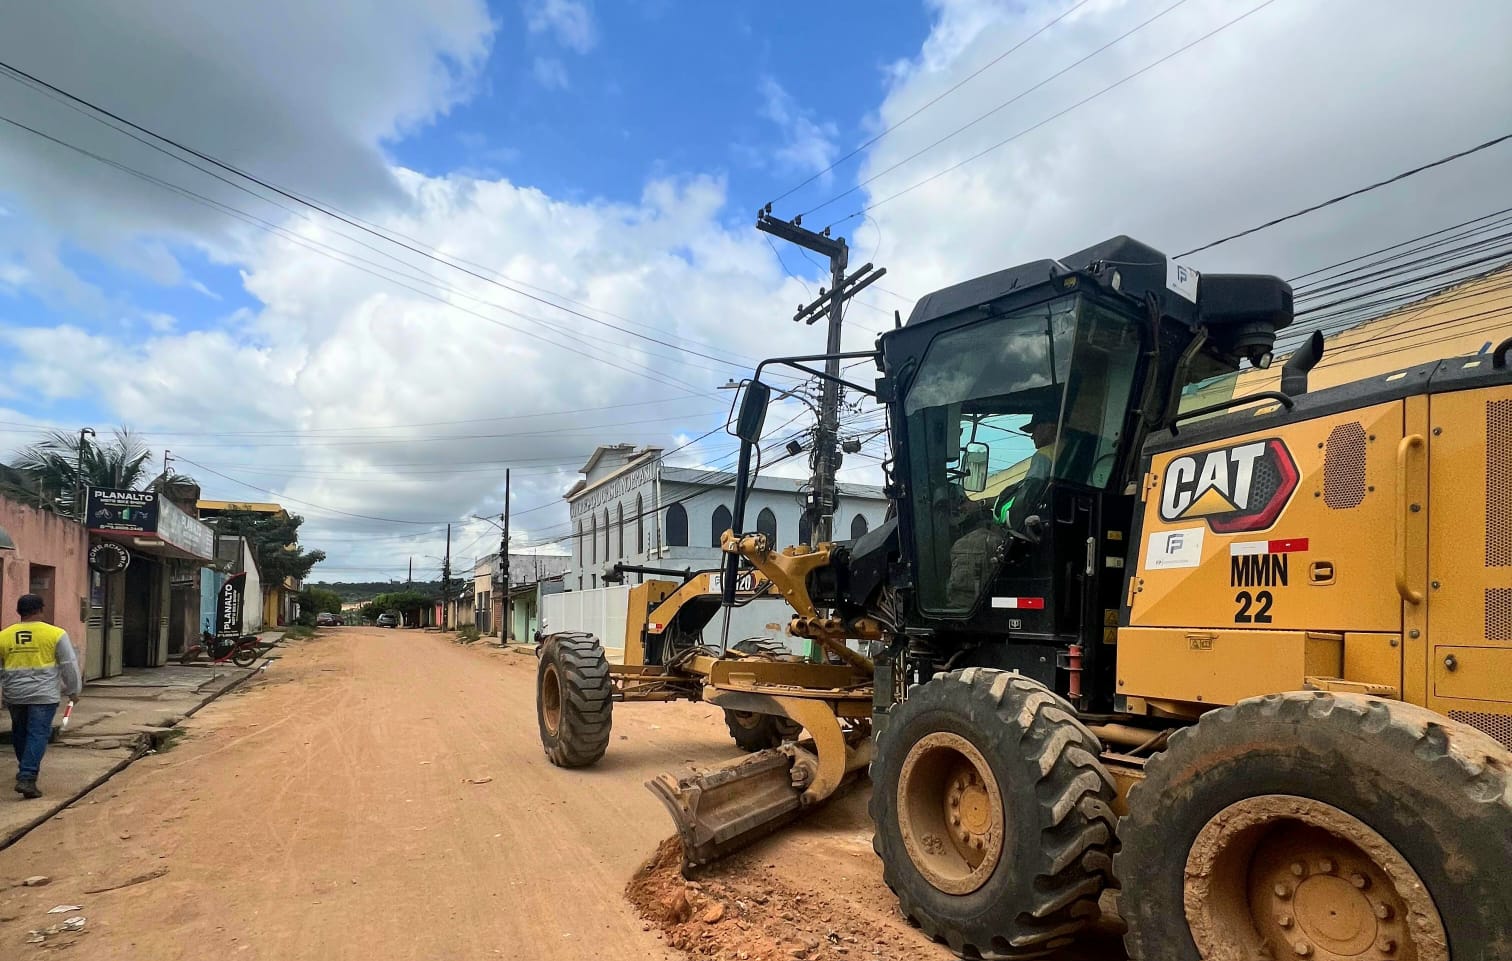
(1250, 660)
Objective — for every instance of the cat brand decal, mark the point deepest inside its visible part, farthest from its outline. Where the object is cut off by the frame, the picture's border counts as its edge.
(1243, 487)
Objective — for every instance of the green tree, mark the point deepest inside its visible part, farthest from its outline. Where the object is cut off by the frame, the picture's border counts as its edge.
(317, 600)
(275, 541)
(405, 602)
(47, 473)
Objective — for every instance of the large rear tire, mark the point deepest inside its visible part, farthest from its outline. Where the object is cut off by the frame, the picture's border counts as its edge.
(574, 699)
(993, 815)
(1321, 826)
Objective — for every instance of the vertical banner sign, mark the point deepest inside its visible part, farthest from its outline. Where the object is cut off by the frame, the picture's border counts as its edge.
(228, 621)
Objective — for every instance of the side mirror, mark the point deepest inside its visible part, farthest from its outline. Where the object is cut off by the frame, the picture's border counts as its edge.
(752, 414)
(974, 467)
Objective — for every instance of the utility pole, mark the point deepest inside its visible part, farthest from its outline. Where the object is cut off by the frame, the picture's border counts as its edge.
(409, 579)
(504, 604)
(446, 580)
(80, 490)
(825, 459)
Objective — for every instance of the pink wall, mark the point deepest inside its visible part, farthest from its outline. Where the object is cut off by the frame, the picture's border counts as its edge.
(45, 538)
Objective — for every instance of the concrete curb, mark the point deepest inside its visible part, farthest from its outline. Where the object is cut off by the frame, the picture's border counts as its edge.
(145, 743)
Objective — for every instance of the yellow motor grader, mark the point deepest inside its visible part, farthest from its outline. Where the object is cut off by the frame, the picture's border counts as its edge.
(1251, 663)
(768, 696)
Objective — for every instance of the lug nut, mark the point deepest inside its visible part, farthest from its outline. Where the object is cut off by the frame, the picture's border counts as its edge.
(1384, 912)
(1282, 891)
(1298, 868)
(1326, 865)
(1388, 946)
(1302, 949)
(1284, 920)
(1359, 880)
(955, 819)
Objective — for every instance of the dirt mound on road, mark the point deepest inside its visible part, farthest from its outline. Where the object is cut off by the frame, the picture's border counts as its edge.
(737, 911)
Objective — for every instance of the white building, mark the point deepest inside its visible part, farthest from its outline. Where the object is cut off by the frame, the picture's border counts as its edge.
(631, 507)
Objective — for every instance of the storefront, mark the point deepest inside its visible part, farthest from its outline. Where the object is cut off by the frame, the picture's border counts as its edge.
(149, 597)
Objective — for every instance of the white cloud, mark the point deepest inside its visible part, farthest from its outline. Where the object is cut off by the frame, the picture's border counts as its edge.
(550, 73)
(808, 145)
(257, 86)
(570, 22)
(1292, 105)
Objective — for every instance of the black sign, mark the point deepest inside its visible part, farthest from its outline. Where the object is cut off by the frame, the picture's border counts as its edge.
(107, 557)
(124, 512)
(228, 617)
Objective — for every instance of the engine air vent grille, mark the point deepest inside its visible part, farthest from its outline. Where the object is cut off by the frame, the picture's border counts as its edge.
(1344, 467)
(1499, 614)
(1499, 483)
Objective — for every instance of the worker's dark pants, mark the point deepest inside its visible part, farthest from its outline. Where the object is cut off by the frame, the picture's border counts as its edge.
(31, 726)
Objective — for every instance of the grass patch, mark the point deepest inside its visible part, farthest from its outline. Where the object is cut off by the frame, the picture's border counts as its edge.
(168, 740)
(468, 634)
(299, 633)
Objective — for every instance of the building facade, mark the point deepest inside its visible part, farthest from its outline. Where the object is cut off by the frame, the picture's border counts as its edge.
(49, 559)
(632, 508)
(524, 569)
(143, 615)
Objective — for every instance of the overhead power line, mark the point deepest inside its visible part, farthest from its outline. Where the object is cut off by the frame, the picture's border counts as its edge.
(354, 261)
(1055, 116)
(325, 209)
(1002, 106)
(1353, 193)
(930, 103)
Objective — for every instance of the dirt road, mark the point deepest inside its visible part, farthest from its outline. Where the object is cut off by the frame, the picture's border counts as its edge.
(331, 810)
(327, 813)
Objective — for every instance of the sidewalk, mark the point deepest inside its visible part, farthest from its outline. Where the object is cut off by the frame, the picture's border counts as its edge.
(114, 721)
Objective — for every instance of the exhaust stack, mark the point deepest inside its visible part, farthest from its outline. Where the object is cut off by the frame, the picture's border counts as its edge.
(1300, 363)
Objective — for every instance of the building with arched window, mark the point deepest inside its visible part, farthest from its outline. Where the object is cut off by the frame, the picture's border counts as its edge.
(766, 523)
(719, 522)
(680, 513)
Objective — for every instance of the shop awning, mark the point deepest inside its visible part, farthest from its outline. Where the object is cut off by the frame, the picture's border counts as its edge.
(149, 523)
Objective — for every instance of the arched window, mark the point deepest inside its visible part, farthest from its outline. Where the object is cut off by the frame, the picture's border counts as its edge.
(677, 526)
(805, 529)
(606, 533)
(766, 523)
(619, 524)
(593, 538)
(640, 526)
(722, 522)
(858, 526)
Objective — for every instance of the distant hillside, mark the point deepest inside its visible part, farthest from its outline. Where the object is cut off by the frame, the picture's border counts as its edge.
(362, 590)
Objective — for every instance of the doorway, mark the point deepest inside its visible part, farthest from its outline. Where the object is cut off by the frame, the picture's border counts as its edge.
(139, 643)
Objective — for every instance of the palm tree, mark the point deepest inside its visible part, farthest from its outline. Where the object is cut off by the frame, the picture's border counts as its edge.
(48, 473)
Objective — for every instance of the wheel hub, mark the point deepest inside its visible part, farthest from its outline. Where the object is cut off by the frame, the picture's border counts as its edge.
(551, 699)
(950, 813)
(1290, 877)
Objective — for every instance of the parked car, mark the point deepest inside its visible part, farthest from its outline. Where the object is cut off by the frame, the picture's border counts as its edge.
(388, 619)
(327, 619)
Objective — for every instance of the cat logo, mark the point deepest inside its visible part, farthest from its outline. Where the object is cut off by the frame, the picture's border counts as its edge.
(1243, 487)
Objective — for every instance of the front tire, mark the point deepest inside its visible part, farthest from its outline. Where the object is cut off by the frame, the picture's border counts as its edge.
(993, 814)
(574, 699)
(1320, 825)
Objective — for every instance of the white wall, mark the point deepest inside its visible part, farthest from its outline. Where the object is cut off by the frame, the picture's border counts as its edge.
(252, 602)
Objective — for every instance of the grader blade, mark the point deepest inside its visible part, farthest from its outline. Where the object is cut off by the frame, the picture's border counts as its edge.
(720, 811)
(723, 810)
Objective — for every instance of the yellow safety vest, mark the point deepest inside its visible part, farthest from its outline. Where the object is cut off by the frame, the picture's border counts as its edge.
(30, 644)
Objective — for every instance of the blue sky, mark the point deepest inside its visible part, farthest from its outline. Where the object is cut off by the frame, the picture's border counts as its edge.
(667, 88)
